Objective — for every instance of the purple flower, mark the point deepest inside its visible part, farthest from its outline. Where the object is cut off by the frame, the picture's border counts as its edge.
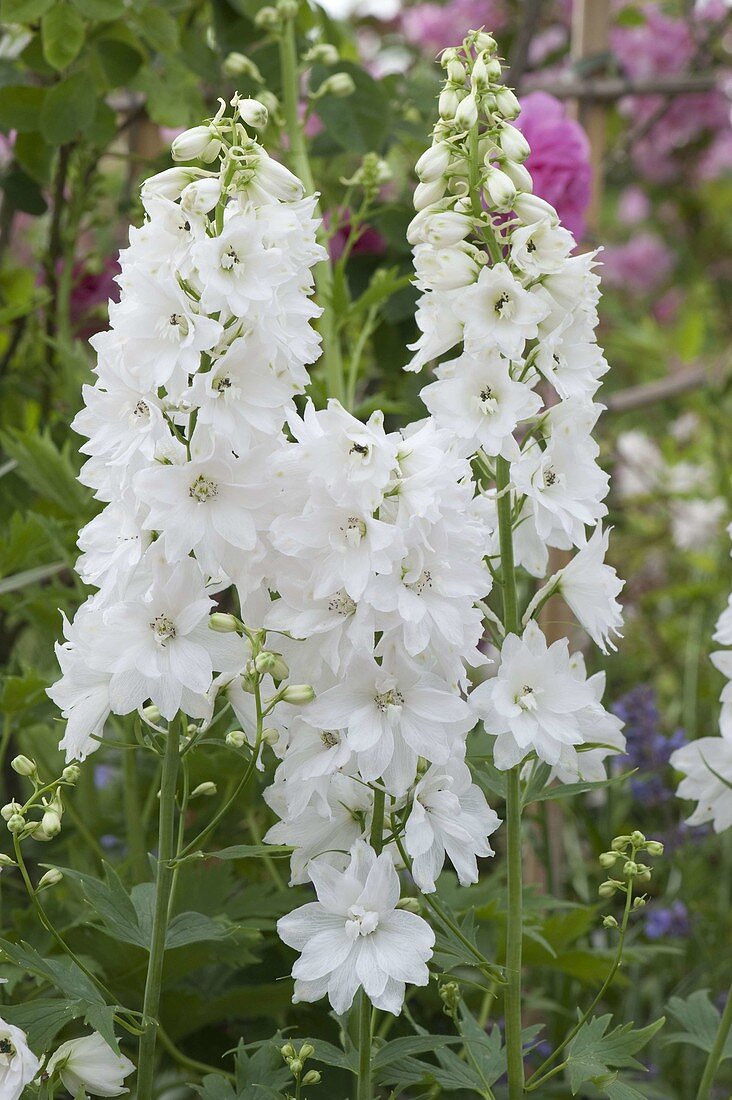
(648, 749)
(640, 266)
(433, 27)
(560, 158)
(662, 922)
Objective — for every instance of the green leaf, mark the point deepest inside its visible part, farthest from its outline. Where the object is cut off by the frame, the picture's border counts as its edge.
(594, 1051)
(23, 193)
(119, 60)
(100, 10)
(62, 35)
(189, 928)
(173, 94)
(20, 107)
(331, 1055)
(112, 904)
(63, 974)
(68, 109)
(699, 1020)
(29, 577)
(34, 156)
(43, 1018)
(23, 11)
(409, 1045)
(47, 470)
(251, 851)
(159, 29)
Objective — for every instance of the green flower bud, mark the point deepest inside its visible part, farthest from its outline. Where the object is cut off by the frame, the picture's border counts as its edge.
(287, 1051)
(608, 859)
(297, 694)
(11, 808)
(312, 1077)
(339, 85)
(238, 64)
(223, 623)
(287, 8)
(630, 870)
(609, 922)
(637, 838)
(51, 824)
(23, 765)
(267, 19)
(49, 879)
(71, 774)
(270, 735)
(409, 905)
(6, 861)
(16, 823)
(236, 738)
(206, 790)
(307, 1050)
(450, 997)
(620, 843)
(151, 712)
(295, 1067)
(638, 903)
(654, 847)
(324, 53)
(607, 889)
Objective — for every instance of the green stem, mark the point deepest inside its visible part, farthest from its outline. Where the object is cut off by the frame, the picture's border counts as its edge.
(133, 817)
(163, 882)
(332, 358)
(364, 1049)
(717, 1051)
(514, 923)
(377, 821)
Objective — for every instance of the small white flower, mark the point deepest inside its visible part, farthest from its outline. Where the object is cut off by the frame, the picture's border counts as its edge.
(497, 312)
(706, 765)
(540, 249)
(90, 1064)
(590, 588)
(354, 937)
(18, 1063)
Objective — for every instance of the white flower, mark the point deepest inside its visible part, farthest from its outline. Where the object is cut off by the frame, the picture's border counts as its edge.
(497, 312)
(599, 727)
(158, 645)
(82, 692)
(723, 631)
(448, 268)
(18, 1063)
(239, 267)
(541, 248)
(590, 587)
(706, 765)
(354, 937)
(722, 660)
(441, 328)
(89, 1064)
(393, 713)
(476, 399)
(449, 814)
(532, 704)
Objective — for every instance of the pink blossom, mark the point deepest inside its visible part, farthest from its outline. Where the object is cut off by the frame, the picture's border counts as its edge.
(433, 27)
(640, 265)
(634, 206)
(661, 44)
(370, 243)
(560, 158)
(91, 289)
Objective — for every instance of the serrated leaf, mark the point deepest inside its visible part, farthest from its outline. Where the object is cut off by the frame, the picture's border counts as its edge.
(251, 851)
(43, 1018)
(594, 1051)
(189, 928)
(62, 35)
(112, 904)
(47, 470)
(409, 1045)
(331, 1055)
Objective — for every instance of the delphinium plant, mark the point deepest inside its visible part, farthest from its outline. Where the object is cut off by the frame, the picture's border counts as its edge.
(357, 609)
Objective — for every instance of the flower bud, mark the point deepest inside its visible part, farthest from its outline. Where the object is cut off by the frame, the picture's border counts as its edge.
(252, 113)
(223, 623)
(519, 175)
(288, 1052)
(236, 738)
(479, 78)
(297, 694)
(51, 824)
(201, 196)
(287, 9)
(324, 53)
(620, 843)
(270, 735)
(514, 144)
(485, 41)
(494, 70)
(16, 823)
(49, 879)
(306, 1051)
(192, 143)
(312, 1077)
(507, 104)
(238, 64)
(151, 712)
(170, 183)
(531, 208)
(339, 85)
(466, 115)
(637, 838)
(639, 903)
(607, 889)
(608, 859)
(71, 774)
(278, 180)
(295, 1067)
(450, 996)
(500, 189)
(609, 922)
(267, 18)
(272, 663)
(444, 268)
(654, 847)
(10, 809)
(433, 162)
(205, 790)
(448, 103)
(439, 230)
(23, 765)
(409, 905)
(630, 870)
(425, 194)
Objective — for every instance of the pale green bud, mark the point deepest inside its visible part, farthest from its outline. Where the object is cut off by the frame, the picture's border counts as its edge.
(339, 85)
(654, 847)
(513, 143)
(50, 878)
(448, 103)
(306, 1051)
(608, 859)
(312, 1077)
(637, 838)
(507, 104)
(16, 823)
(151, 712)
(223, 623)
(609, 922)
(71, 774)
(23, 765)
(620, 843)
(205, 790)
(500, 189)
(252, 112)
(288, 1051)
(607, 889)
(639, 903)
(236, 738)
(272, 663)
(297, 694)
(479, 78)
(51, 823)
(485, 41)
(270, 735)
(433, 162)
(630, 870)
(409, 905)
(456, 70)
(10, 809)
(295, 1067)
(194, 144)
(466, 115)
(238, 64)
(267, 18)
(324, 53)
(288, 8)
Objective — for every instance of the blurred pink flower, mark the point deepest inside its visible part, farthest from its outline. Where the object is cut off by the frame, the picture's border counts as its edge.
(370, 243)
(634, 206)
(433, 27)
(666, 308)
(92, 289)
(560, 158)
(641, 264)
(661, 44)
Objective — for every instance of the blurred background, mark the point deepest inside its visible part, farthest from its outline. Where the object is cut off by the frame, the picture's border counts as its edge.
(626, 106)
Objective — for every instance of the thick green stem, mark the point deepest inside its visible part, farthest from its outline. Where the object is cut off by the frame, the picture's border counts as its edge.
(514, 923)
(332, 358)
(133, 817)
(364, 1049)
(715, 1054)
(163, 882)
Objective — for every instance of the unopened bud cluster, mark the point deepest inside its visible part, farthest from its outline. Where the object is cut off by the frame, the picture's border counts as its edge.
(628, 870)
(296, 1059)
